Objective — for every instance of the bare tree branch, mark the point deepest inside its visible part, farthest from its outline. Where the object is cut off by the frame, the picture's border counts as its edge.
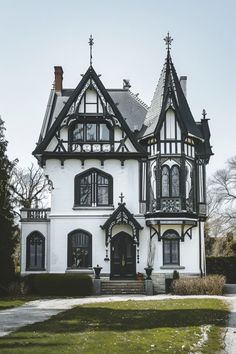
(222, 198)
(29, 187)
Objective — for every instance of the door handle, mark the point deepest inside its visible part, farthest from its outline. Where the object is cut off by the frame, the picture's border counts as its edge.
(123, 261)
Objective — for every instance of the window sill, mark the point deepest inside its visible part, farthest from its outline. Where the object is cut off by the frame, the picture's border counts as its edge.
(172, 266)
(94, 208)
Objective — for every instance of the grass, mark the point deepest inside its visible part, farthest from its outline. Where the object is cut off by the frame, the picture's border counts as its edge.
(170, 326)
(8, 303)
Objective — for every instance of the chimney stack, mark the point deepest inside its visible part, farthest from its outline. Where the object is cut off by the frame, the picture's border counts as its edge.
(58, 72)
(126, 84)
(183, 84)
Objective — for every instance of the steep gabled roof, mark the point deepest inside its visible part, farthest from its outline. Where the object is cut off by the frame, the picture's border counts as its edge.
(169, 89)
(52, 127)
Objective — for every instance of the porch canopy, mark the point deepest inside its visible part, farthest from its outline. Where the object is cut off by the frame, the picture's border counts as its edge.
(121, 216)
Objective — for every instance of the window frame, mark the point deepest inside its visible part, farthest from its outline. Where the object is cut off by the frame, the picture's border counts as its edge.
(29, 267)
(85, 122)
(94, 173)
(70, 249)
(167, 239)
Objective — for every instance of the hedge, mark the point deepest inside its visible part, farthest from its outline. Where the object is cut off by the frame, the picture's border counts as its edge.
(222, 265)
(59, 284)
(209, 285)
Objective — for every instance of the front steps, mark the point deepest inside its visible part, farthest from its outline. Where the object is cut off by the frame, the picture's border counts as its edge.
(122, 287)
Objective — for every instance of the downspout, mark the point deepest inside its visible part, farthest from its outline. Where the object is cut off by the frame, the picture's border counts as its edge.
(200, 249)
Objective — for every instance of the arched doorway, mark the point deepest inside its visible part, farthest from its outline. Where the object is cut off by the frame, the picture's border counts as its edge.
(123, 257)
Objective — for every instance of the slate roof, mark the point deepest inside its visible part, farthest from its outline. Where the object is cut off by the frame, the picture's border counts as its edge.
(130, 106)
(169, 87)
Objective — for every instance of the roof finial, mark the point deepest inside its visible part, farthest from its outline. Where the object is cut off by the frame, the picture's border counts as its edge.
(204, 113)
(91, 43)
(121, 198)
(168, 41)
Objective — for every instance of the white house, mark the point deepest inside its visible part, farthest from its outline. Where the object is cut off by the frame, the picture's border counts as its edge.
(127, 181)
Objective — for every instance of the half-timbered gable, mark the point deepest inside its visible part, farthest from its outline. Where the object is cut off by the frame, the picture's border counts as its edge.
(89, 123)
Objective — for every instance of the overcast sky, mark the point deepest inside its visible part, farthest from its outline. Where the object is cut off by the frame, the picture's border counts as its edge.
(128, 35)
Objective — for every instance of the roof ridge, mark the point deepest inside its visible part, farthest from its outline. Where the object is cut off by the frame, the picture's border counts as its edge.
(138, 99)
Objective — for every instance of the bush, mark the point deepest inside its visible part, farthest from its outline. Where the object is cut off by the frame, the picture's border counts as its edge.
(222, 265)
(59, 284)
(210, 285)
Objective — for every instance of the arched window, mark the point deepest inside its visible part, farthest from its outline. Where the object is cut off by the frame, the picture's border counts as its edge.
(170, 179)
(171, 248)
(165, 181)
(93, 188)
(35, 251)
(79, 249)
(175, 181)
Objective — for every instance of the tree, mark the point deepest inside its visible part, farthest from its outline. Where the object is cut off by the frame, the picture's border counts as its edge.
(29, 186)
(222, 199)
(8, 228)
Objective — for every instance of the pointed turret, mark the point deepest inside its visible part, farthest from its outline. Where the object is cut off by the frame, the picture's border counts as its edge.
(169, 93)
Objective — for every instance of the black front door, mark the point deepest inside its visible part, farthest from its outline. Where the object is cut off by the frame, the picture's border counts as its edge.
(123, 257)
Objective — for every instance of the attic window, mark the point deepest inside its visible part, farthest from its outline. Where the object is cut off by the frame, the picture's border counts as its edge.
(90, 132)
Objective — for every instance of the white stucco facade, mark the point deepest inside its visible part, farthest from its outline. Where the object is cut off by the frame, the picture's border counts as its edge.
(127, 183)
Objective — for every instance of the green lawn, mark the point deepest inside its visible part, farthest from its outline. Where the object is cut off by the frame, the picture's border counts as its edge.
(170, 326)
(7, 303)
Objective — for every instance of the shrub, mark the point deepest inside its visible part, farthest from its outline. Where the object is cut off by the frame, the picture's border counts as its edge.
(60, 284)
(222, 265)
(210, 285)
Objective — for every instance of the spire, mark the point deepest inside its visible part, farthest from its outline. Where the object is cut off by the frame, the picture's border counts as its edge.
(91, 43)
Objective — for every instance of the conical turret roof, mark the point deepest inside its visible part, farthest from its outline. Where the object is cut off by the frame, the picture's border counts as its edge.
(169, 93)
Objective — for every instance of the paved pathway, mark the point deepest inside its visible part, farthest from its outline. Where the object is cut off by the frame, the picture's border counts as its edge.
(41, 310)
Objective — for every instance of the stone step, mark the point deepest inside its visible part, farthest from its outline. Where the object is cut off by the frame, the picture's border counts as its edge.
(122, 287)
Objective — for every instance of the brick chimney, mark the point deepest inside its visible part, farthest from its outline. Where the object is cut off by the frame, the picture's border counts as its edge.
(58, 72)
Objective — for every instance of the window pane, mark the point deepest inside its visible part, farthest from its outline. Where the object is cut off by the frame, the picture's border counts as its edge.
(91, 108)
(32, 256)
(175, 251)
(91, 132)
(103, 198)
(165, 182)
(80, 248)
(85, 190)
(78, 132)
(102, 180)
(35, 252)
(175, 181)
(104, 132)
(166, 253)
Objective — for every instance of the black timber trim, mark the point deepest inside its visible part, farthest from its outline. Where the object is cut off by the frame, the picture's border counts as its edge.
(90, 74)
(87, 156)
(177, 215)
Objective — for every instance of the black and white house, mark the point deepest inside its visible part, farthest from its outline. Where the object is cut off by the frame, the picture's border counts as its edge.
(128, 181)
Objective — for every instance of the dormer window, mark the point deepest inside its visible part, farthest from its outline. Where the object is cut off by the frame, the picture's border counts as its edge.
(89, 132)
